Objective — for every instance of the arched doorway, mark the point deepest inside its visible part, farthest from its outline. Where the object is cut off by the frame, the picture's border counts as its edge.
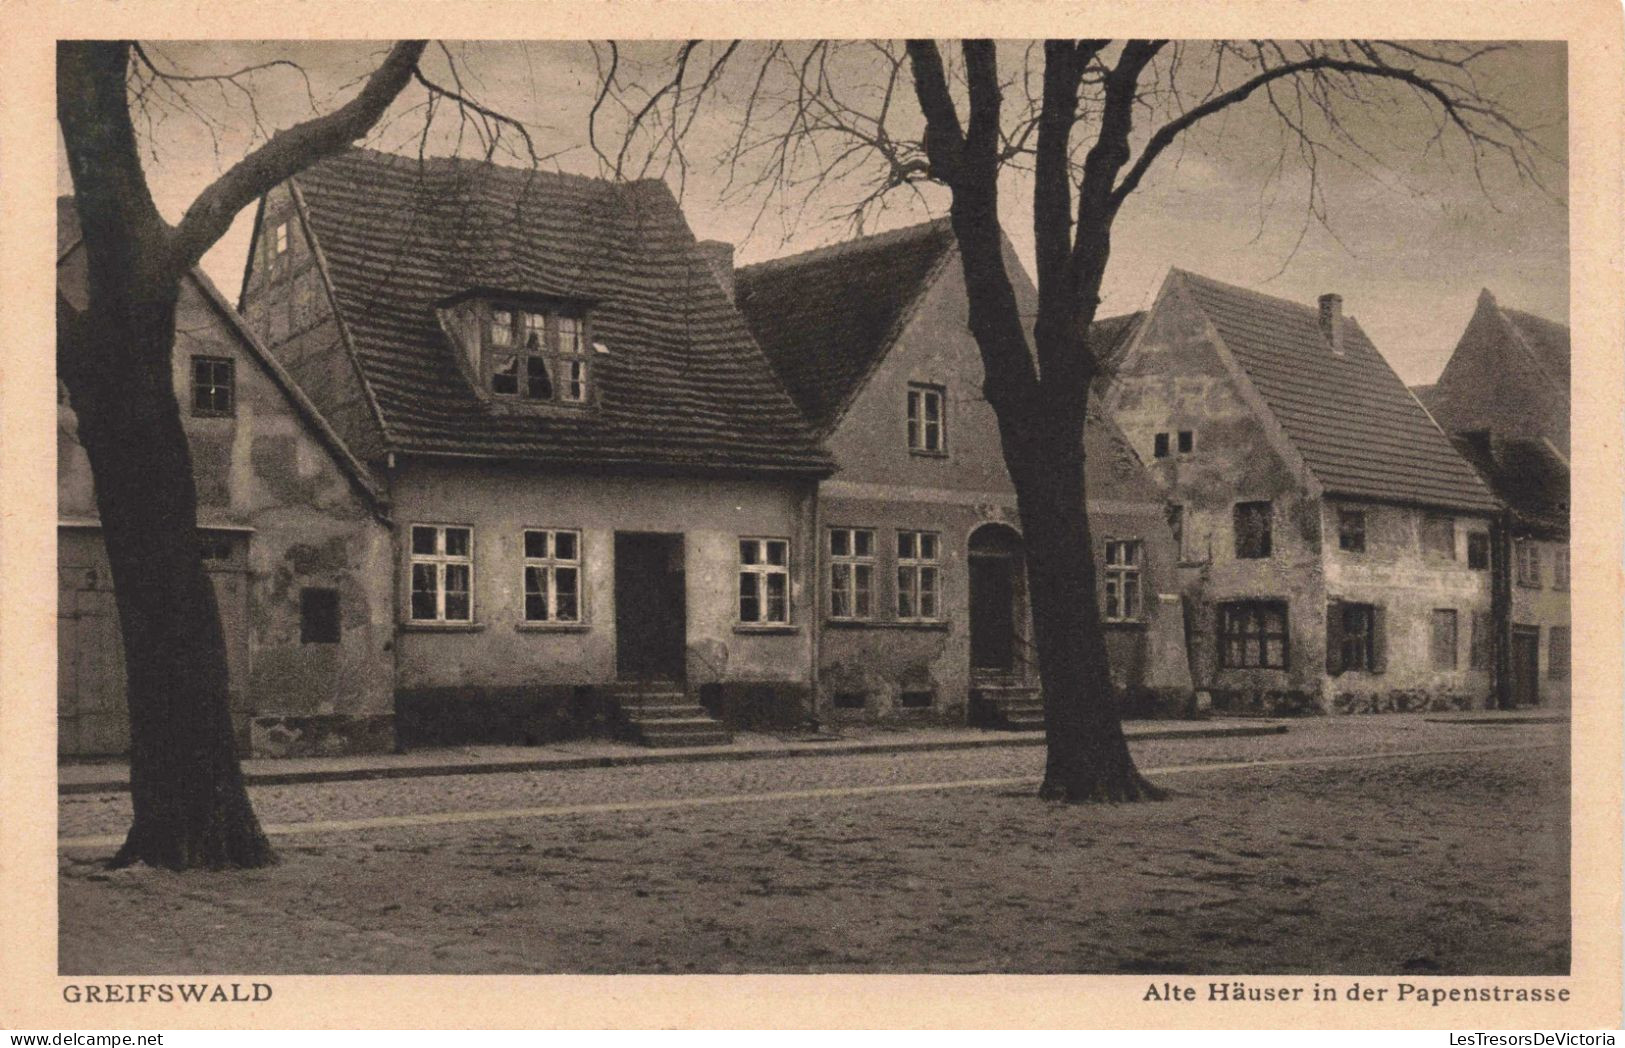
(997, 577)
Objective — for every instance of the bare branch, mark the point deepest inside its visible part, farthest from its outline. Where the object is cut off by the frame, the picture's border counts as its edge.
(287, 153)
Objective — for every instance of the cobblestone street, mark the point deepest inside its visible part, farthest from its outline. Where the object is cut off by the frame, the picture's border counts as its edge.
(1319, 859)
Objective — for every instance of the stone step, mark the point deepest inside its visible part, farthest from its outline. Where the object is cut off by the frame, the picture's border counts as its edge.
(671, 711)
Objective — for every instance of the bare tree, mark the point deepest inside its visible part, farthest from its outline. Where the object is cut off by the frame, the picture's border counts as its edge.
(190, 805)
(815, 119)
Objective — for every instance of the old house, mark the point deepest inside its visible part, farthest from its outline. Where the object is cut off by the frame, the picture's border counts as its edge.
(296, 542)
(922, 612)
(602, 496)
(1504, 398)
(1334, 547)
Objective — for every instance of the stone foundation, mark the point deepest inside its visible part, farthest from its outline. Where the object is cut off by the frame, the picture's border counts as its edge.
(524, 716)
(1417, 700)
(329, 735)
(748, 706)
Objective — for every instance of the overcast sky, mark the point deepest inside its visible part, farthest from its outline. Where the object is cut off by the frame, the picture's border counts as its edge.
(1408, 249)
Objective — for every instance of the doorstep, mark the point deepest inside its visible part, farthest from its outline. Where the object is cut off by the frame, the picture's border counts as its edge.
(599, 753)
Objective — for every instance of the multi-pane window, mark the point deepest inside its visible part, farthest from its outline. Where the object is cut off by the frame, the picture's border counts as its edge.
(1122, 584)
(1253, 635)
(1528, 560)
(214, 386)
(442, 573)
(926, 430)
(1560, 567)
(552, 575)
(1439, 537)
(764, 581)
(1478, 641)
(274, 246)
(1557, 653)
(1478, 550)
(537, 356)
(851, 573)
(1351, 530)
(1357, 643)
(917, 576)
(1442, 645)
(1252, 524)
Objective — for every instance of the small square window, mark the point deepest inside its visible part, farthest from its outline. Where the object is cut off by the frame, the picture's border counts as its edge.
(1478, 551)
(214, 386)
(1159, 446)
(915, 700)
(1439, 537)
(1187, 442)
(850, 700)
(318, 616)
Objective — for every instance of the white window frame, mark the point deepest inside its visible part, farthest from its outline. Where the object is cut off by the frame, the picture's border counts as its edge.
(850, 566)
(548, 565)
(921, 427)
(756, 571)
(1123, 590)
(440, 560)
(914, 569)
(1528, 567)
(560, 349)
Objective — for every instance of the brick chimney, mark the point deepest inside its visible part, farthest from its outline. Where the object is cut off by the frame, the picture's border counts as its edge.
(1331, 321)
(719, 255)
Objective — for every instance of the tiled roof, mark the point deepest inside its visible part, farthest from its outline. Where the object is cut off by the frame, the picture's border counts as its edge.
(1358, 428)
(1548, 343)
(683, 386)
(1110, 336)
(1525, 474)
(827, 317)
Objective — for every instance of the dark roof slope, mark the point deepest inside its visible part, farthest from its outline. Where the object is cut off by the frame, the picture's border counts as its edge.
(1110, 336)
(1548, 343)
(1351, 418)
(827, 317)
(1525, 474)
(683, 385)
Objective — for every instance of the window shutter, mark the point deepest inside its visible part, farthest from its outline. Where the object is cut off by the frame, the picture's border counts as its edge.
(1334, 637)
(1379, 639)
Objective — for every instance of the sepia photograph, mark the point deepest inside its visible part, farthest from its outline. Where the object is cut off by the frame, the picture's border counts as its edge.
(816, 506)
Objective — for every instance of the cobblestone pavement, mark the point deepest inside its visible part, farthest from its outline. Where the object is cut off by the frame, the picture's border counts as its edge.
(1445, 863)
(95, 814)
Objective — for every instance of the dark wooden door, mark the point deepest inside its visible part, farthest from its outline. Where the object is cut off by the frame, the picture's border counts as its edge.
(992, 613)
(650, 606)
(1526, 665)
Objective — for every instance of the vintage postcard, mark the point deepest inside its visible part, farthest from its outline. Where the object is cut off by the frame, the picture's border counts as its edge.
(772, 515)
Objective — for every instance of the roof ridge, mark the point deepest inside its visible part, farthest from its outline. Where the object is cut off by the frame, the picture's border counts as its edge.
(506, 170)
(872, 241)
(1241, 289)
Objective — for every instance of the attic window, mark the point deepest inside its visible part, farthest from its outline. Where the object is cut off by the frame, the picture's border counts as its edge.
(538, 356)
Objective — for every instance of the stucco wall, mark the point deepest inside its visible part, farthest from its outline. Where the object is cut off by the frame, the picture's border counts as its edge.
(1395, 573)
(500, 651)
(264, 473)
(1543, 608)
(1177, 379)
(883, 485)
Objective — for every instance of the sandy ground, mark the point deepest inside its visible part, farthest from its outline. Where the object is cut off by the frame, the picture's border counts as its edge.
(1427, 865)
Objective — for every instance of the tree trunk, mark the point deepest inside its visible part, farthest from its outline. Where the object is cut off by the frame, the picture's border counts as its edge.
(190, 805)
(1087, 757)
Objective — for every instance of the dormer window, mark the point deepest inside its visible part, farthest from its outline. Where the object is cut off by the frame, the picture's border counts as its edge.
(537, 355)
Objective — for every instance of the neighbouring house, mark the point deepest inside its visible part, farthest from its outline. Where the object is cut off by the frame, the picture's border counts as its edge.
(1504, 398)
(1334, 547)
(602, 496)
(296, 541)
(923, 613)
